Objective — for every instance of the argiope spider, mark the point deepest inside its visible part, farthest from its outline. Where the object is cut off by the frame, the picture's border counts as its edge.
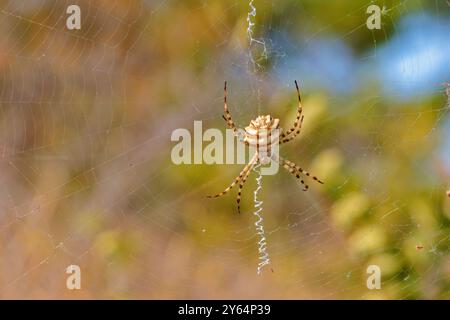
(262, 133)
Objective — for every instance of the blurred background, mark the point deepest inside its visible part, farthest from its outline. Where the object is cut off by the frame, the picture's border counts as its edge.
(87, 178)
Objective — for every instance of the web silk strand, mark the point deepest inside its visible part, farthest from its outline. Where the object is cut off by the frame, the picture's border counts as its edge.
(262, 243)
(263, 255)
(251, 15)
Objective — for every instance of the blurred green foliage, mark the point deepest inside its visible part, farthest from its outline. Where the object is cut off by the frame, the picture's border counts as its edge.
(87, 179)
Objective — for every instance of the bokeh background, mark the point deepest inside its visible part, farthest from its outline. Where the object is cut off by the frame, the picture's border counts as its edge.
(86, 176)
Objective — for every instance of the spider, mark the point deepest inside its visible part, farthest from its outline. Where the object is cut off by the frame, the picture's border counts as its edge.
(253, 136)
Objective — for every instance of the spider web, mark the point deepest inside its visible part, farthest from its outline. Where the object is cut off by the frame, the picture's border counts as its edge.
(87, 179)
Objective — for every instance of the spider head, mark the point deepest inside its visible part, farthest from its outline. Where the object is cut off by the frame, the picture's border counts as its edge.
(262, 123)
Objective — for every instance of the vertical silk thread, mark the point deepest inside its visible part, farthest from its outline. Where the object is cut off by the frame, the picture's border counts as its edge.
(263, 255)
(262, 242)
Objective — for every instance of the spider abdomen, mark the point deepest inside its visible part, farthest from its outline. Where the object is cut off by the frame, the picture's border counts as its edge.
(262, 138)
(262, 131)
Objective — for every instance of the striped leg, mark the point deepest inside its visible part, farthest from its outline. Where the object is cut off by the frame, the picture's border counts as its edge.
(294, 134)
(238, 178)
(241, 184)
(300, 170)
(227, 114)
(292, 170)
(298, 119)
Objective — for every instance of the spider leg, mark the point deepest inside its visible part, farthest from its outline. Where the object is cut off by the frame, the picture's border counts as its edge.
(241, 184)
(300, 170)
(294, 134)
(292, 170)
(237, 179)
(298, 120)
(227, 114)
